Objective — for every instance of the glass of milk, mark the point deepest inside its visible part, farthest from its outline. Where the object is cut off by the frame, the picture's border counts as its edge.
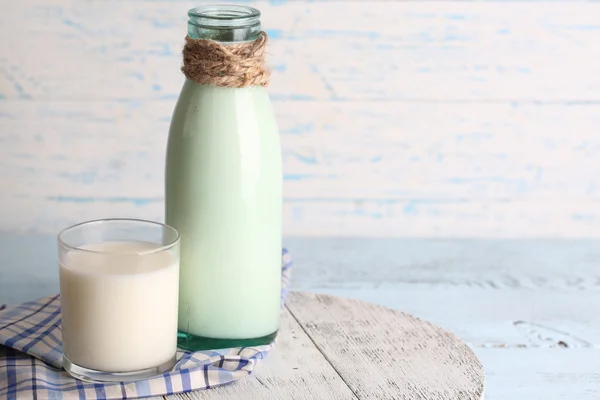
(119, 281)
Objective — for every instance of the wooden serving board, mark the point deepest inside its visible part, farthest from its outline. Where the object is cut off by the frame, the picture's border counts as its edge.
(336, 348)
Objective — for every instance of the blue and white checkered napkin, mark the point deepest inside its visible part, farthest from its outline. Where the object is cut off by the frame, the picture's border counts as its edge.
(31, 359)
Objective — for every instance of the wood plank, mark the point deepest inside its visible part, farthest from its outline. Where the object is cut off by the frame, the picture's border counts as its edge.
(495, 264)
(493, 318)
(350, 51)
(28, 267)
(382, 354)
(427, 218)
(491, 293)
(394, 169)
(541, 374)
(294, 370)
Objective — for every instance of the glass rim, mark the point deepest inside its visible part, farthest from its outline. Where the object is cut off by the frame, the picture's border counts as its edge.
(63, 243)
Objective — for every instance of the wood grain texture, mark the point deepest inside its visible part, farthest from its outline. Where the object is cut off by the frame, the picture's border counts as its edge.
(385, 354)
(541, 374)
(294, 370)
(494, 265)
(491, 293)
(378, 353)
(398, 118)
(528, 308)
(334, 50)
(475, 176)
(489, 319)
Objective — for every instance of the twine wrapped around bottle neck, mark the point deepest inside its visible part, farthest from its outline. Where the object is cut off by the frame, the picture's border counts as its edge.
(237, 65)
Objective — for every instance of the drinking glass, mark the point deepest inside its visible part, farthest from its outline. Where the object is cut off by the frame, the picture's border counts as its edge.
(119, 285)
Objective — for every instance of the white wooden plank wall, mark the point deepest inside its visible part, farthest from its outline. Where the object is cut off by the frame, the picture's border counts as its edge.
(398, 118)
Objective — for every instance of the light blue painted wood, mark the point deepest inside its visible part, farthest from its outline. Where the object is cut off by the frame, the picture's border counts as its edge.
(429, 119)
(28, 267)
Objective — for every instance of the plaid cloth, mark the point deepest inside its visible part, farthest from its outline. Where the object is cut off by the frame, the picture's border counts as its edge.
(31, 359)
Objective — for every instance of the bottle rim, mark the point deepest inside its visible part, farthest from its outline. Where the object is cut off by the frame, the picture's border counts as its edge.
(223, 15)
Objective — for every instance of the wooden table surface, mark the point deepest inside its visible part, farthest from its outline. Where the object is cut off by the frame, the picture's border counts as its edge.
(528, 308)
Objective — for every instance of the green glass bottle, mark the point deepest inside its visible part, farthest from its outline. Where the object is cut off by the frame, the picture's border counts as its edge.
(224, 196)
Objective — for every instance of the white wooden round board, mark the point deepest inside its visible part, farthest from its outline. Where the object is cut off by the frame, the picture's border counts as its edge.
(336, 348)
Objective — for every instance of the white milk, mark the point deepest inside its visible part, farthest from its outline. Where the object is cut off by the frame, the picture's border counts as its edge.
(223, 195)
(119, 310)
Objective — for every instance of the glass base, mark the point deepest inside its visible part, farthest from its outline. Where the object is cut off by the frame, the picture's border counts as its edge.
(91, 375)
(190, 342)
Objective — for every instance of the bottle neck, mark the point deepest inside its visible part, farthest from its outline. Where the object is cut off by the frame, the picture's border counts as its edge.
(224, 23)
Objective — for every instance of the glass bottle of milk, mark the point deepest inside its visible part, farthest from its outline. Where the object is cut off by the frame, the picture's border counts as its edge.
(224, 196)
